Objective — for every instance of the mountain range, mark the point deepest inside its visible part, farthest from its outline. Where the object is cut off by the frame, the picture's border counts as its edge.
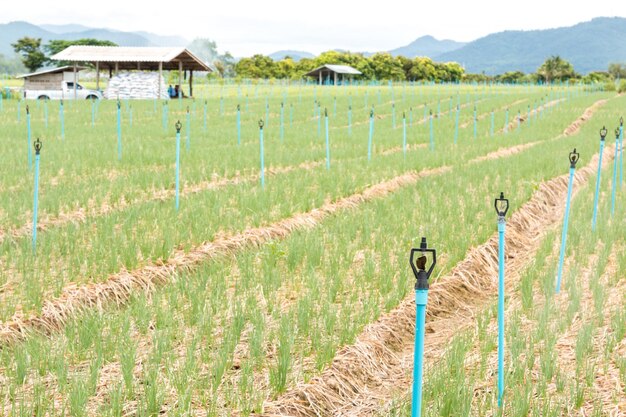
(589, 46)
(11, 32)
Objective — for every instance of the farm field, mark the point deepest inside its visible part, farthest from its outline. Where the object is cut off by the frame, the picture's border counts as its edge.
(288, 291)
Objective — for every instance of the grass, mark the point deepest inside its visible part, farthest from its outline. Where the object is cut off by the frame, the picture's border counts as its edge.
(236, 331)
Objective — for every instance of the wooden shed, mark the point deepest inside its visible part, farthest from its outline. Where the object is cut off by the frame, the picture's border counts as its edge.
(116, 58)
(333, 74)
(50, 79)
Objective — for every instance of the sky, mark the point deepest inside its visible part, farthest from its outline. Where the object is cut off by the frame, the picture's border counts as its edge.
(246, 27)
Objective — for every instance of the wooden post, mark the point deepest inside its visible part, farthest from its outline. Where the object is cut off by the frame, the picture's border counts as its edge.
(190, 83)
(75, 80)
(160, 77)
(320, 74)
(180, 79)
(97, 75)
(335, 79)
(117, 67)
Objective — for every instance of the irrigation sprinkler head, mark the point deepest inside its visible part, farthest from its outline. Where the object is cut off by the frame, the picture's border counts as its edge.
(603, 133)
(238, 107)
(621, 121)
(27, 109)
(37, 145)
(118, 104)
(325, 112)
(431, 113)
(282, 104)
(261, 124)
(573, 158)
(178, 126)
(371, 113)
(61, 103)
(419, 265)
(187, 109)
(404, 115)
(617, 130)
(502, 206)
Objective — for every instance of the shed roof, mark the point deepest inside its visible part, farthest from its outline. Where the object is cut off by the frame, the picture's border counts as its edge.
(66, 68)
(132, 57)
(339, 69)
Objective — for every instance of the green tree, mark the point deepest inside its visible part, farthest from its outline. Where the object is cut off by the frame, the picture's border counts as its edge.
(386, 67)
(617, 70)
(511, 77)
(555, 68)
(30, 50)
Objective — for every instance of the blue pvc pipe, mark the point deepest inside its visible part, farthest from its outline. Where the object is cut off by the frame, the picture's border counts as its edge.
(621, 153)
(559, 273)
(319, 121)
(595, 198)
(62, 119)
(204, 117)
(349, 121)
(327, 144)
(262, 158)
(282, 128)
(432, 134)
(238, 127)
(177, 169)
(188, 128)
(404, 135)
(28, 145)
(369, 143)
(475, 124)
(421, 299)
(501, 231)
(506, 121)
(456, 125)
(35, 201)
(614, 186)
(119, 133)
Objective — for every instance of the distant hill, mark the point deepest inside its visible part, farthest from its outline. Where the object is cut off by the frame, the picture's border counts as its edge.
(589, 46)
(11, 32)
(295, 55)
(427, 46)
(64, 28)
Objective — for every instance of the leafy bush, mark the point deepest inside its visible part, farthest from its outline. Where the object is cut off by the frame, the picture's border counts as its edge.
(609, 86)
(622, 87)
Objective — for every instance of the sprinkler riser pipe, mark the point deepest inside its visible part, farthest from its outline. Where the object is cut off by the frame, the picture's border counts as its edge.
(597, 194)
(177, 169)
(35, 202)
(421, 299)
(559, 273)
(501, 269)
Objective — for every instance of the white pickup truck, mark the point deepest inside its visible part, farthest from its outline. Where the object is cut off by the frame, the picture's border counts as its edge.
(65, 92)
(55, 84)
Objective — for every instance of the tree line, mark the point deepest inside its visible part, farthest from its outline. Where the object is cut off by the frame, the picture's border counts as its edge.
(379, 66)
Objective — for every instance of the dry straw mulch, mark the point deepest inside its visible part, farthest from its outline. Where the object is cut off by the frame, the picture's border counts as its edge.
(364, 375)
(120, 287)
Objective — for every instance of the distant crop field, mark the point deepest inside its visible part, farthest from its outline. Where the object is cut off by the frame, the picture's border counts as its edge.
(281, 283)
